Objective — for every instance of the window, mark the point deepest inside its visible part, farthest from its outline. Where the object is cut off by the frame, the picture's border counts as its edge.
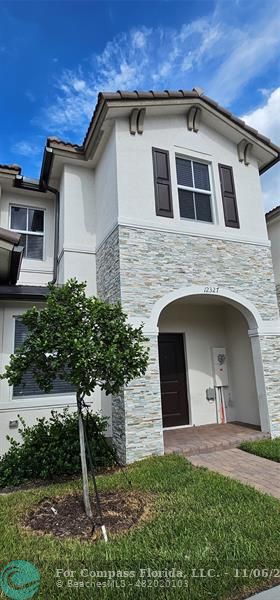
(28, 386)
(30, 223)
(194, 190)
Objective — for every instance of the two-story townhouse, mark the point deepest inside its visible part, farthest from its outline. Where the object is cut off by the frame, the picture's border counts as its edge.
(161, 209)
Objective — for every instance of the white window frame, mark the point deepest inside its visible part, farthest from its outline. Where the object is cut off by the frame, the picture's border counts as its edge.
(26, 232)
(210, 192)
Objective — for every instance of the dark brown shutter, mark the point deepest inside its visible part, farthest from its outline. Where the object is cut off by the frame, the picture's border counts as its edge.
(162, 182)
(228, 196)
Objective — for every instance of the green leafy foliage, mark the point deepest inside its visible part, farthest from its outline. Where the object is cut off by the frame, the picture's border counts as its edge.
(51, 448)
(80, 339)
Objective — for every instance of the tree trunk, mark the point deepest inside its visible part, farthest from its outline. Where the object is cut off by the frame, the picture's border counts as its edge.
(84, 461)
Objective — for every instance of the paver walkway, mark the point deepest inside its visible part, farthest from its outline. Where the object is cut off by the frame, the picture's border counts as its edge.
(208, 438)
(261, 473)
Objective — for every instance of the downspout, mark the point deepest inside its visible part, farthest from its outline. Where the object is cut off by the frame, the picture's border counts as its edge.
(47, 162)
(56, 231)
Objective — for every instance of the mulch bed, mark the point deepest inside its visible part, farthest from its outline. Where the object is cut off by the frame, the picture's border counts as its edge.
(65, 517)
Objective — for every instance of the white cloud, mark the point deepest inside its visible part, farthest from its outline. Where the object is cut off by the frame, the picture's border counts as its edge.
(26, 148)
(211, 52)
(79, 85)
(267, 120)
(254, 49)
(267, 117)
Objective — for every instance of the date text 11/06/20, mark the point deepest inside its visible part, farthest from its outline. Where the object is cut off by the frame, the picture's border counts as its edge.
(211, 289)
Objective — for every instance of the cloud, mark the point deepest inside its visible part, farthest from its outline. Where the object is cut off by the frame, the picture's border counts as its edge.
(26, 148)
(30, 96)
(216, 53)
(266, 119)
(140, 58)
(255, 49)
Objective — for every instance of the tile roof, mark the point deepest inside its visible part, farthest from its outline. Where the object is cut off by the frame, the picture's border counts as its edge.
(273, 212)
(172, 95)
(195, 93)
(11, 168)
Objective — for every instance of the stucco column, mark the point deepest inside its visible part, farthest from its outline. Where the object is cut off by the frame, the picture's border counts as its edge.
(137, 414)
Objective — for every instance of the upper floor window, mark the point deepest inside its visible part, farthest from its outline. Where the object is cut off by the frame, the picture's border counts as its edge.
(194, 190)
(30, 223)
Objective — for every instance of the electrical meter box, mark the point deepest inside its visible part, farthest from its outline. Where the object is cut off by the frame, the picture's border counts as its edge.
(220, 371)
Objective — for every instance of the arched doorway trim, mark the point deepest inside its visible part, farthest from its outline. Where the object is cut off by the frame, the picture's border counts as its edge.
(246, 307)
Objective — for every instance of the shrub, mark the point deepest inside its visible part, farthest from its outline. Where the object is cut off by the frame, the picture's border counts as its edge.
(51, 448)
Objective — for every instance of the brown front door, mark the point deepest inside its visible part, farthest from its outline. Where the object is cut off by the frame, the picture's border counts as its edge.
(173, 380)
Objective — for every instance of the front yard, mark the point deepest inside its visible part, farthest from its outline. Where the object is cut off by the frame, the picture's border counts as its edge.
(221, 536)
(266, 448)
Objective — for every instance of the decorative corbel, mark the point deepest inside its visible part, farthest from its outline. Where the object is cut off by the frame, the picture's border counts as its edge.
(193, 118)
(140, 120)
(133, 121)
(244, 149)
(136, 120)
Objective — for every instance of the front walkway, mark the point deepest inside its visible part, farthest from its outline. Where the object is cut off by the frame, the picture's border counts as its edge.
(209, 438)
(261, 473)
(272, 594)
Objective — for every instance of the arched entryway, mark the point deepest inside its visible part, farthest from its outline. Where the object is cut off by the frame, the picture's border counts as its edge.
(195, 326)
(192, 333)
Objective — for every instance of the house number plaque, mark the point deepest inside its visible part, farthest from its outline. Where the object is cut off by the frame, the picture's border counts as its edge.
(211, 290)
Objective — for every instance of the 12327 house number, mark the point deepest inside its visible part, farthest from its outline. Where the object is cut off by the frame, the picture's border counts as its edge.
(211, 289)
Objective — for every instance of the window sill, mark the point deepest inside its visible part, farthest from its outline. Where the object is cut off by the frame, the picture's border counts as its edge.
(47, 401)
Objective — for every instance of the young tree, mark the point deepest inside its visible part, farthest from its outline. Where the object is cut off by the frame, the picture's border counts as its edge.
(84, 341)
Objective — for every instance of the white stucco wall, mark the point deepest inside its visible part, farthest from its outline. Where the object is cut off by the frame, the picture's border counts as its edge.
(273, 228)
(33, 272)
(241, 373)
(205, 327)
(31, 406)
(77, 226)
(106, 189)
(136, 184)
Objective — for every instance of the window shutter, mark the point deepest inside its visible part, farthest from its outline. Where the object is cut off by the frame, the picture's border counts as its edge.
(228, 196)
(162, 183)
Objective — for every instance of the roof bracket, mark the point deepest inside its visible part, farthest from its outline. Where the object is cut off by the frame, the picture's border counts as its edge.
(136, 120)
(244, 149)
(140, 120)
(193, 118)
(133, 121)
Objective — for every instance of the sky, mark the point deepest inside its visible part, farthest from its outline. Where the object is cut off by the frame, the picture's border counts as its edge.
(56, 55)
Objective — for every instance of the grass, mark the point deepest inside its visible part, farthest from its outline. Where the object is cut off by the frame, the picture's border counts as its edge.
(202, 523)
(266, 448)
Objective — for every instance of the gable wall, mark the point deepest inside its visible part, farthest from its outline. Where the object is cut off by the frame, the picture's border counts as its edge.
(136, 184)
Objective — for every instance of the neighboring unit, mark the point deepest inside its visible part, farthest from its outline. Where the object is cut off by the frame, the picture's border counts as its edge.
(161, 209)
(273, 228)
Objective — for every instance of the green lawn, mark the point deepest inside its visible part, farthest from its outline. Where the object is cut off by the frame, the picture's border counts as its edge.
(202, 521)
(267, 448)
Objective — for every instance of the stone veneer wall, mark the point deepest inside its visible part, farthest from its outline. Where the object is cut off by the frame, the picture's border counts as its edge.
(157, 262)
(270, 348)
(136, 412)
(108, 288)
(140, 266)
(278, 294)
